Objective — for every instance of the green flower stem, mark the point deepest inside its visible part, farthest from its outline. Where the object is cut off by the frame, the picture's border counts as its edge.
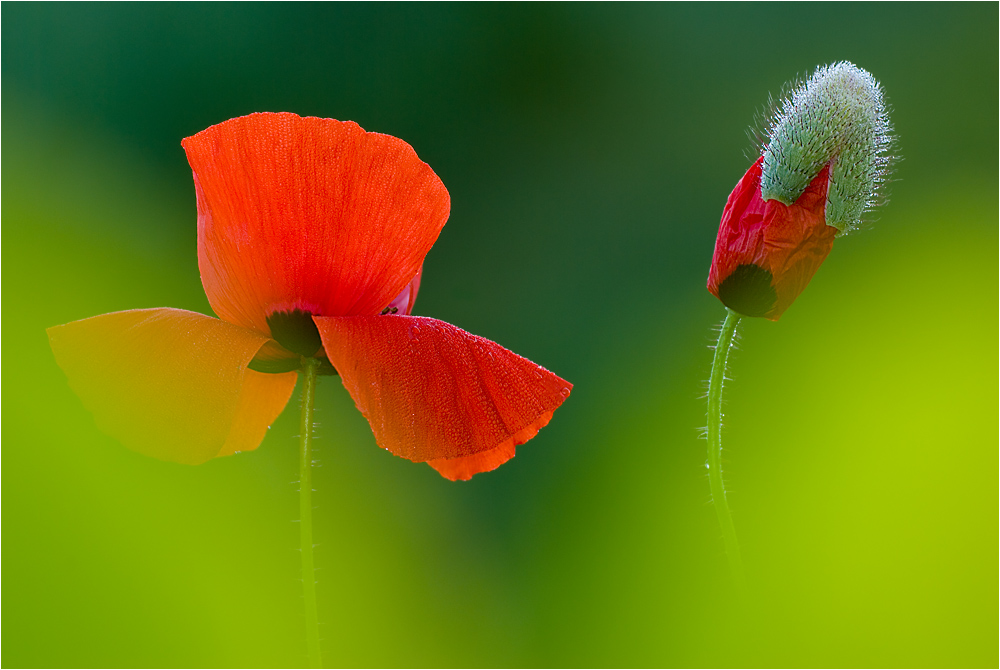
(715, 383)
(309, 368)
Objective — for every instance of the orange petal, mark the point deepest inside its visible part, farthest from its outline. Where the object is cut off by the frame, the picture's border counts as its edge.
(432, 391)
(309, 214)
(170, 383)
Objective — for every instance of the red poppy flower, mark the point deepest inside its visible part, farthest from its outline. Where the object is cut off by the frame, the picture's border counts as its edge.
(766, 252)
(311, 238)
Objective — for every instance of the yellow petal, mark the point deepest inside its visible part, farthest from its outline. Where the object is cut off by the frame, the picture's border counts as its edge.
(167, 382)
(262, 398)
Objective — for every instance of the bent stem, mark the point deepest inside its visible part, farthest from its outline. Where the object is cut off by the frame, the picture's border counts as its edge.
(715, 383)
(309, 367)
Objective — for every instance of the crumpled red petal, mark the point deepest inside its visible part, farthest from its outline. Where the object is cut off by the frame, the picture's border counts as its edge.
(309, 214)
(432, 391)
(789, 242)
(170, 383)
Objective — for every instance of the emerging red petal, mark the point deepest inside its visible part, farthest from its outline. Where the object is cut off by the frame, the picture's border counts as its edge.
(309, 214)
(767, 252)
(403, 303)
(434, 392)
(171, 383)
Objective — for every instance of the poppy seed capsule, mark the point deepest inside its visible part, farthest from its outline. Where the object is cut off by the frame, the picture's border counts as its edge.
(825, 162)
(837, 118)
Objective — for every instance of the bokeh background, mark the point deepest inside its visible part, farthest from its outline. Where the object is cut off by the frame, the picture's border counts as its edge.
(589, 151)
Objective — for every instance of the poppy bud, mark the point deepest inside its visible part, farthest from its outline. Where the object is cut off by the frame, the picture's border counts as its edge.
(823, 167)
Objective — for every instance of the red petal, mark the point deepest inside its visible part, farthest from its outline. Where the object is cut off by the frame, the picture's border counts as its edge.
(432, 391)
(790, 242)
(170, 383)
(309, 214)
(464, 467)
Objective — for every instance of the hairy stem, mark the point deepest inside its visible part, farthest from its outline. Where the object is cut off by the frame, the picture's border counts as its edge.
(309, 366)
(715, 383)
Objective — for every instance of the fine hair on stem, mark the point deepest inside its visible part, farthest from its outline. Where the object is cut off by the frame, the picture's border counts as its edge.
(715, 384)
(310, 367)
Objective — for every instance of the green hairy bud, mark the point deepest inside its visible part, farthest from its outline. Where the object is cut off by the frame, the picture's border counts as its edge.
(838, 117)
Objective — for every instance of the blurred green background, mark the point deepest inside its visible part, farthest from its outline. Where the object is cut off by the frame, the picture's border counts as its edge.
(589, 151)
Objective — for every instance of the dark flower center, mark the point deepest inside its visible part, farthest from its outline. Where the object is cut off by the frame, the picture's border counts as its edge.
(295, 331)
(748, 290)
